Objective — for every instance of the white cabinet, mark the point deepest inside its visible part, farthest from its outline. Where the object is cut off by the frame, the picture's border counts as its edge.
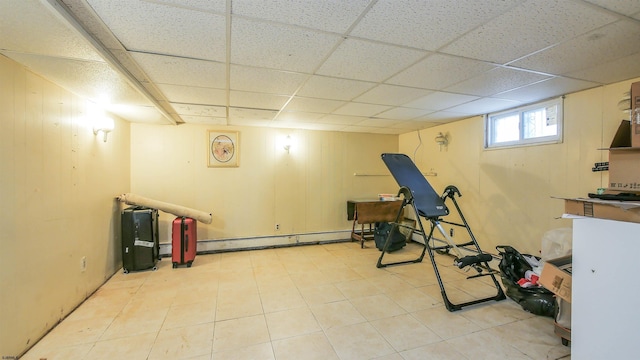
(605, 307)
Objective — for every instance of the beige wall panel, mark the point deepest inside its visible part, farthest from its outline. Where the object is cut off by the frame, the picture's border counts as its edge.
(367, 174)
(308, 183)
(10, 138)
(303, 191)
(583, 137)
(288, 198)
(58, 181)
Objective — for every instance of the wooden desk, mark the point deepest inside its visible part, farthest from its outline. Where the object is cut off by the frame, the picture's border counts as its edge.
(368, 213)
(351, 207)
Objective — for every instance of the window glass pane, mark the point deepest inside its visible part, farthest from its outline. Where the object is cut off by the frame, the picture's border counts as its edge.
(506, 128)
(537, 123)
(551, 120)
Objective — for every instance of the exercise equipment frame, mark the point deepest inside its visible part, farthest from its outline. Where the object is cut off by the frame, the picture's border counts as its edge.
(417, 193)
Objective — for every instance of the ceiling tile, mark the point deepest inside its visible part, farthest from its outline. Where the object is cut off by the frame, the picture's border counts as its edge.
(600, 46)
(401, 113)
(340, 119)
(333, 88)
(298, 116)
(390, 130)
(286, 119)
(624, 7)
(496, 81)
(94, 80)
(485, 105)
(162, 29)
(334, 16)
(545, 89)
(218, 6)
(617, 70)
(359, 109)
(265, 80)
(408, 125)
(528, 28)
(45, 33)
(377, 122)
(181, 71)
(439, 71)
(240, 121)
(194, 95)
(442, 117)
(313, 105)
(205, 120)
(391, 95)
(279, 46)
(440, 101)
(257, 100)
(426, 25)
(200, 110)
(306, 126)
(242, 113)
(238, 116)
(364, 60)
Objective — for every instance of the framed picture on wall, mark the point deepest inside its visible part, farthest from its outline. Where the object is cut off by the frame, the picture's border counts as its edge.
(223, 148)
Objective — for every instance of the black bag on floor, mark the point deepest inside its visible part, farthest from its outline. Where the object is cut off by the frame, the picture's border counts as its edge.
(380, 233)
(513, 266)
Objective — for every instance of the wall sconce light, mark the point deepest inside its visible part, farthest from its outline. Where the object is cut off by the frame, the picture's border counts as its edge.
(286, 144)
(103, 124)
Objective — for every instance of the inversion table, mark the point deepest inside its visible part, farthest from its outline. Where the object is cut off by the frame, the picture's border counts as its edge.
(426, 203)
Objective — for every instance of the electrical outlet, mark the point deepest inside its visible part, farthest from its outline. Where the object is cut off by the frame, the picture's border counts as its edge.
(83, 264)
(451, 232)
(277, 226)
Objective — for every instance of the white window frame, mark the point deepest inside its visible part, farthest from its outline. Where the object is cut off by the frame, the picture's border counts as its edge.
(489, 119)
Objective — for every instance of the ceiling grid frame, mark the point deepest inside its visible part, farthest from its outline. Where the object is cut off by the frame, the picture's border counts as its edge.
(306, 99)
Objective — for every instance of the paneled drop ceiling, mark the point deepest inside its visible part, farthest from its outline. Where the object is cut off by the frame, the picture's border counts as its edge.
(377, 66)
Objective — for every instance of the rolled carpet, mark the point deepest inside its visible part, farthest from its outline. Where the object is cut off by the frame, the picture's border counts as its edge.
(133, 199)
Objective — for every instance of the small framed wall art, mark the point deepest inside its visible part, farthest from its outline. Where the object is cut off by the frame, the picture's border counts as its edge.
(223, 148)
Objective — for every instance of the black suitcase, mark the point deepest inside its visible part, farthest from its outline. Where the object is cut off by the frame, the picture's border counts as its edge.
(140, 245)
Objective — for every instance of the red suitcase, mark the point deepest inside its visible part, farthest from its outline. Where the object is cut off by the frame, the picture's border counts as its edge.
(183, 241)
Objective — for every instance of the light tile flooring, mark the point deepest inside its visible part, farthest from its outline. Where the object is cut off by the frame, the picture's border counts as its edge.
(307, 302)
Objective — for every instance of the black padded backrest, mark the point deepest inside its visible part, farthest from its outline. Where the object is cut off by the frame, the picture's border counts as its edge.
(406, 173)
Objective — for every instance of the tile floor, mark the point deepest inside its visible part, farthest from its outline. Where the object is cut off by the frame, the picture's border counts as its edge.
(307, 302)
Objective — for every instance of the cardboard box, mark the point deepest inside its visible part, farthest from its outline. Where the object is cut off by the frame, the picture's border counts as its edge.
(635, 104)
(604, 209)
(624, 169)
(556, 277)
(624, 161)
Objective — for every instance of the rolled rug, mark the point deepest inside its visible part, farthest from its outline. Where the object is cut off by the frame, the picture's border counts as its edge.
(133, 199)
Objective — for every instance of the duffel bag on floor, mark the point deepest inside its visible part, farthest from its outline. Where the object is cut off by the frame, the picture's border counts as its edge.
(380, 233)
(513, 266)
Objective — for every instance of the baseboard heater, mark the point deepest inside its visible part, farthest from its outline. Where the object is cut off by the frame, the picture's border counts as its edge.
(210, 246)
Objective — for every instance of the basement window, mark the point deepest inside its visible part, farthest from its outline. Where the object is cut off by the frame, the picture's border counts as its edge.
(539, 123)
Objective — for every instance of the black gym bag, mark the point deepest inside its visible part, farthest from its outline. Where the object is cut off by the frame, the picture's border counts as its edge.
(380, 233)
